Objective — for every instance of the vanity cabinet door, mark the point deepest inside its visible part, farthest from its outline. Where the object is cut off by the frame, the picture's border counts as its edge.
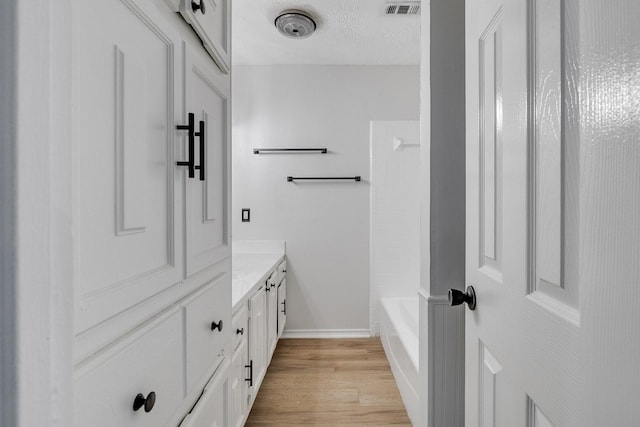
(257, 338)
(126, 192)
(238, 385)
(282, 306)
(272, 315)
(207, 193)
(210, 19)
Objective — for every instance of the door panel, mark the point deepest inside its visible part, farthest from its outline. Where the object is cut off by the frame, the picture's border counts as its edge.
(208, 201)
(125, 189)
(522, 339)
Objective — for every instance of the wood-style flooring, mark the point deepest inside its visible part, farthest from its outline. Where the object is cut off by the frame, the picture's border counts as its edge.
(329, 382)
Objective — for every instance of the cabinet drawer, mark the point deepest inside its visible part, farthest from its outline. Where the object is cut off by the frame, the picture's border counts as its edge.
(207, 328)
(147, 361)
(211, 21)
(212, 408)
(240, 326)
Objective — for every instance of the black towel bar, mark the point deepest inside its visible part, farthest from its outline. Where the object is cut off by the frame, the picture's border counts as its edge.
(289, 150)
(332, 178)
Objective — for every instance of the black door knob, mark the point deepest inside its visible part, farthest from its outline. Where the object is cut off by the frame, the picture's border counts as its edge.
(198, 6)
(217, 326)
(147, 402)
(457, 297)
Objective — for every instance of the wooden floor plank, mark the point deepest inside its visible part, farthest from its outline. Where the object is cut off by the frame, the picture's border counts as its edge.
(325, 382)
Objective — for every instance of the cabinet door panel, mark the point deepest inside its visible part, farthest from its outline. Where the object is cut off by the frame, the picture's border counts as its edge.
(211, 409)
(127, 244)
(282, 306)
(258, 338)
(238, 386)
(208, 201)
(272, 315)
(212, 27)
(148, 361)
(204, 344)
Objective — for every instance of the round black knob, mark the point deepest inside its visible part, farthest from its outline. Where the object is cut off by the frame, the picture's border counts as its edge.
(457, 297)
(148, 402)
(198, 6)
(217, 326)
(240, 331)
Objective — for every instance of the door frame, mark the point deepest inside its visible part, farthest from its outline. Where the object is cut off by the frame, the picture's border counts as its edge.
(36, 296)
(443, 143)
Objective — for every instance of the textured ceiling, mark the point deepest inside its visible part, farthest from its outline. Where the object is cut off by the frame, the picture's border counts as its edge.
(354, 32)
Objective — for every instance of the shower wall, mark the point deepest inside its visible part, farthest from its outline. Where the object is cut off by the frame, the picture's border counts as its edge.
(395, 213)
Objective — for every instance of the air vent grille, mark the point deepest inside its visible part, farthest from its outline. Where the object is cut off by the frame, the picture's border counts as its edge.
(407, 8)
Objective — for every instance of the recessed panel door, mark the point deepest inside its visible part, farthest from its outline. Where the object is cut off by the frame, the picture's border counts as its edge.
(127, 221)
(207, 192)
(523, 354)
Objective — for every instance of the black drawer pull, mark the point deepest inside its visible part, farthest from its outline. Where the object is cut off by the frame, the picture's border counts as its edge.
(250, 379)
(284, 307)
(240, 331)
(148, 402)
(217, 326)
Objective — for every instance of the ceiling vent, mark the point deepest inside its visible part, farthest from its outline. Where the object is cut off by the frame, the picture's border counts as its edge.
(405, 8)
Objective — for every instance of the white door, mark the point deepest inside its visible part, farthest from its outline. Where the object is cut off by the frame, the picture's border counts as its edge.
(523, 354)
(207, 214)
(553, 231)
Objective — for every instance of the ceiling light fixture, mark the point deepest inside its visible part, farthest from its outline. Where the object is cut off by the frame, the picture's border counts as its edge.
(295, 24)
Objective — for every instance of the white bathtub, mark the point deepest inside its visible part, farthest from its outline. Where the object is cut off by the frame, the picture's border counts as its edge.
(399, 335)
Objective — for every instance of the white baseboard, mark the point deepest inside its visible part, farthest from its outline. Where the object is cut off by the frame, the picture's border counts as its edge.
(326, 333)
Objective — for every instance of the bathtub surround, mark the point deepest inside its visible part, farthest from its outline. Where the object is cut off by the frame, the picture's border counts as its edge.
(325, 224)
(395, 213)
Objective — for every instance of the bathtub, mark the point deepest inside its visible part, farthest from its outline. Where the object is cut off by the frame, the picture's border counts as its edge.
(399, 335)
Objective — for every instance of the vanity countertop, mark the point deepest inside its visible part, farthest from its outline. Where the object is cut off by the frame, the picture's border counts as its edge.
(251, 264)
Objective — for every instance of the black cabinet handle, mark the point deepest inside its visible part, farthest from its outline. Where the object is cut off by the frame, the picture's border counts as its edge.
(198, 6)
(148, 402)
(284, 307)
(190, 163)
(267, 288)
(200, 134)
(273, 285)
(250, 379)
(284, 271)
(217, 326)
(240, 331)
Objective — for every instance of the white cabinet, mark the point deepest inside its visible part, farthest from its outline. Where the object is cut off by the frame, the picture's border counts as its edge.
(282, 306)
(239, 385)
(127, 218)
(257, 339)
(272, 313)
(205, 315)
(151, 245)
(211, 21)
(212, 408)
(207, 194)
(149, 362)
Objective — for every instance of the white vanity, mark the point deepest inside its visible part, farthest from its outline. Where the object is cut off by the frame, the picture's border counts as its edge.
(259, 314)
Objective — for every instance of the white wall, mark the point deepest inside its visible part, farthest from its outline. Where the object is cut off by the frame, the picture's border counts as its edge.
(325, 225)
(395, 213)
